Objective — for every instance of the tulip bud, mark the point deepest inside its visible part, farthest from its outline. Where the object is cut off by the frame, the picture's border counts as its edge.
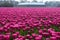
(53, 38)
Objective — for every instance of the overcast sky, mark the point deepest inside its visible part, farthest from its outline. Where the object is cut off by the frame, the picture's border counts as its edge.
(43, 0)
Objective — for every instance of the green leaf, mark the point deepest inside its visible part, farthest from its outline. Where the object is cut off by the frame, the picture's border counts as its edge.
(3, 32)
(11, 38)
(43, 38)
(36, 30)
(56, 28)
(42, 27)
(23, 32)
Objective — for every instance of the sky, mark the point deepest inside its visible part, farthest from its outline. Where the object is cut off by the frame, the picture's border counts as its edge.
(43, 0)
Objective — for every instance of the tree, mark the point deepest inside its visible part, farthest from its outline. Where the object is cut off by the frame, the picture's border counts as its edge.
(34, 1)
(6, 4)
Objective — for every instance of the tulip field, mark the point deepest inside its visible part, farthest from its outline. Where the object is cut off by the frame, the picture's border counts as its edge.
(29, 23)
